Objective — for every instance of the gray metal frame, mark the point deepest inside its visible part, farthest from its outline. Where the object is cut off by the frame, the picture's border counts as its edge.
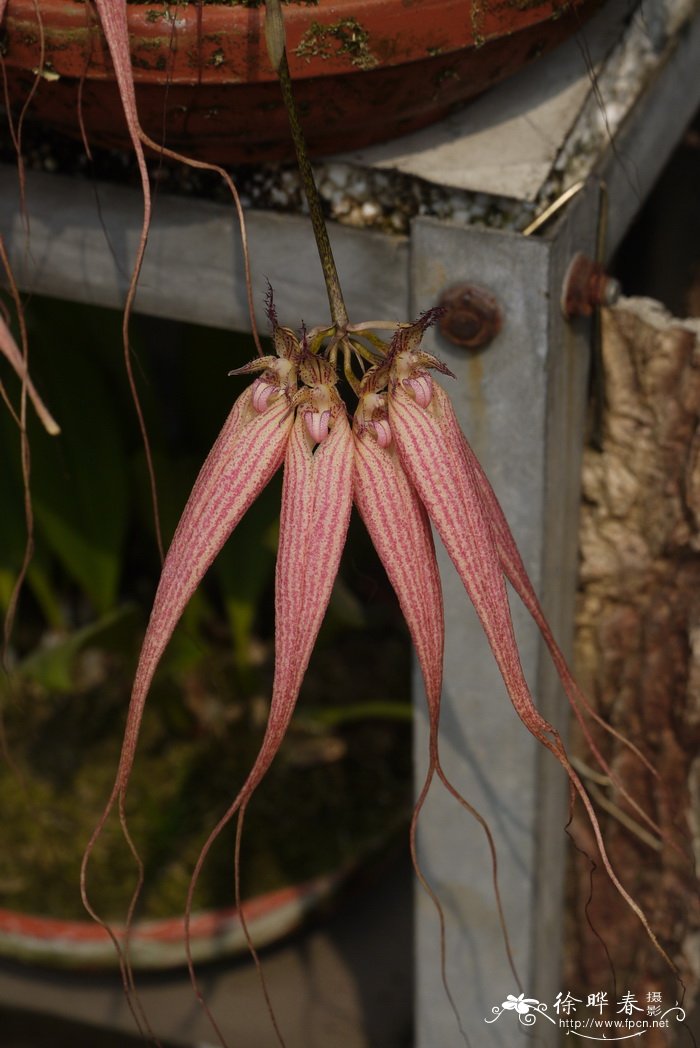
(522, 404)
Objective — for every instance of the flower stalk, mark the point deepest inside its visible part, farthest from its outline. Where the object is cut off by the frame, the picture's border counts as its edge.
(274, 37)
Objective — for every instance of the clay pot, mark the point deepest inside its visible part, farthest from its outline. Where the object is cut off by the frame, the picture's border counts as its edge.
(365, 70)
(159, 944)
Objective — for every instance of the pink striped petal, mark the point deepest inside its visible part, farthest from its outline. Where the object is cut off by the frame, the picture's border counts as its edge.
(398, 526)
(248, 451)
(445, 481)
(432, 449)
(515, 570)
(316, 504)
(112, 15)
(503, 541)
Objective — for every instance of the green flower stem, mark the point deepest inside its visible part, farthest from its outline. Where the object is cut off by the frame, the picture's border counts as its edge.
(274, 30)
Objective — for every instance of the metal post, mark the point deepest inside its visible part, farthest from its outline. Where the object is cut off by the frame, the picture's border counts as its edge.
(521, 402)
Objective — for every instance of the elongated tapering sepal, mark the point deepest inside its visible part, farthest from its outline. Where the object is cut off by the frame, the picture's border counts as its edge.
(431, 448)
(398, 526)
(316, 504)
(113, 19)
(515, 571)
(246, 454)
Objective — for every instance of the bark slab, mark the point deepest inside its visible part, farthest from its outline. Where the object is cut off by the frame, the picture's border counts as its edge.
(638, 658)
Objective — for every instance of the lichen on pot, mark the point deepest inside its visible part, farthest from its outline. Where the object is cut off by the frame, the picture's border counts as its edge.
(363, 72)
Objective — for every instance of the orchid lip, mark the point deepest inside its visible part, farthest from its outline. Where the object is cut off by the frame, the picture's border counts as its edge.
(421, 386)
(382, 431)
(317, 424)
(262, 391)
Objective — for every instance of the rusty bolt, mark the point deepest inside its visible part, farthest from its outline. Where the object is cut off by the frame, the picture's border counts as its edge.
(471, 317)
(587, 285)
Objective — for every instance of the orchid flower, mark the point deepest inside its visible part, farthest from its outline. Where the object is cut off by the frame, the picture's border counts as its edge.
(404, 462)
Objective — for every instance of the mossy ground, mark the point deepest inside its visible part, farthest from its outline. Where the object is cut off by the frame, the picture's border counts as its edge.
(331, 796)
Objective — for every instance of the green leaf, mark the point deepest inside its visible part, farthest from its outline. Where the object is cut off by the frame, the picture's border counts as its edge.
(79, 478)
(208, 392)
(13, 530)
(54, 666)
(13, 533)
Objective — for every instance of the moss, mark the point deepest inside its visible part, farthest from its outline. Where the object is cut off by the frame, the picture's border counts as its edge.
(345, 37)
(155, 14)
(446, 74)
(329, 797)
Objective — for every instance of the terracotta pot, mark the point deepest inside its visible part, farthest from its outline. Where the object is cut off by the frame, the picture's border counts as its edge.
(365, 70)
(159, 944)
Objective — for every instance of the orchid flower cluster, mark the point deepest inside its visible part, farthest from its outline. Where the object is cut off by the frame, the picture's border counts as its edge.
(404, 461)
(293, 413)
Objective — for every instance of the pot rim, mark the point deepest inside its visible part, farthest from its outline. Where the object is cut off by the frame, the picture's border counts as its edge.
(218, 43)
(159, 943)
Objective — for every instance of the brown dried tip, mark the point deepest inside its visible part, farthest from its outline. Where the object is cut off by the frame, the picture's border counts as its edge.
(270, 306)
(407, 339)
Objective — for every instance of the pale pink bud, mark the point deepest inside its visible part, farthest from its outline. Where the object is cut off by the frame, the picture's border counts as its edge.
(317, 424)
(382, 431)
(262, 391)
(421, 385)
